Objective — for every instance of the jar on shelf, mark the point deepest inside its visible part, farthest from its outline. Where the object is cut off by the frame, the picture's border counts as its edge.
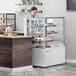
(33, 1)
(25, 1)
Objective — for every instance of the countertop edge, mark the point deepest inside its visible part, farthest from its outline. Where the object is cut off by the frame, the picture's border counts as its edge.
(15, 37)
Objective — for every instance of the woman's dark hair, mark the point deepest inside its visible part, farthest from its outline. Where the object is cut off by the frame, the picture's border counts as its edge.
(33, 8)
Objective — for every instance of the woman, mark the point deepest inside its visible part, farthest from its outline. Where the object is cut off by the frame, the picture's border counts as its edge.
(32, 12)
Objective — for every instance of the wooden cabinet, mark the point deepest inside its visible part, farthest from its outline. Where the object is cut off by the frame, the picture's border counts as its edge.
(15, 52)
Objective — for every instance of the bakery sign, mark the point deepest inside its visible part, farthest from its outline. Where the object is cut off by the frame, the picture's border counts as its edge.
(71, 5)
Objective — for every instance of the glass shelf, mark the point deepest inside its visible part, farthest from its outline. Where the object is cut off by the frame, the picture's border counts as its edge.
(51, 32)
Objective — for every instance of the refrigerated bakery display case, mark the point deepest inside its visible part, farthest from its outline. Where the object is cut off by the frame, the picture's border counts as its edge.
(48, 40)
(11, 20)
(7, 20)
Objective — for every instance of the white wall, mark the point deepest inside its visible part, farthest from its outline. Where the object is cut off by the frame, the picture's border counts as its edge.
(52, 8)
(8, 6)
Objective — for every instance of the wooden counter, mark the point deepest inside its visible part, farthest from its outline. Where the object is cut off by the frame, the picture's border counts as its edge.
(15, 51)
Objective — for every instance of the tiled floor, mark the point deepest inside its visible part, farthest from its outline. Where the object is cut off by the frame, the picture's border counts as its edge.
(61, 70)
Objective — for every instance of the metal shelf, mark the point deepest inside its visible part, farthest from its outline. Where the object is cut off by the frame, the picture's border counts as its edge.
(21, 4)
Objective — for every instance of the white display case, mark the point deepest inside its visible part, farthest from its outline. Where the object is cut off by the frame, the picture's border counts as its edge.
(48, 43)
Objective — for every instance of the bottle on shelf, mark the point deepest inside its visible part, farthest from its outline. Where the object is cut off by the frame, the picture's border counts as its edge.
(25, 1)
(33, 1)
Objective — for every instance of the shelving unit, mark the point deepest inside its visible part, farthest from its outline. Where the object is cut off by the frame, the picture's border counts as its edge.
(27, 4)
(31, 2)
(48, 43)
(7, 19)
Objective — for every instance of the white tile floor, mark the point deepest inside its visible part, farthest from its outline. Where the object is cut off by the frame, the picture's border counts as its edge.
(30, 71)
